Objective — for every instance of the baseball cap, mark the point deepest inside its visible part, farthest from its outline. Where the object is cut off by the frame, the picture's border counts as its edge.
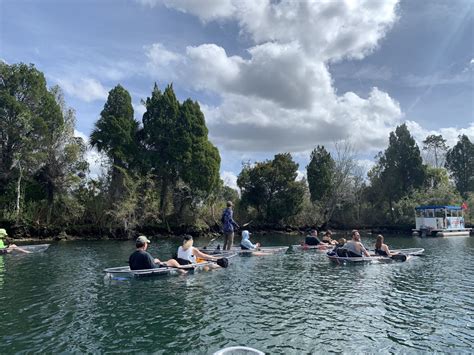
(143, 239)
(3, 233)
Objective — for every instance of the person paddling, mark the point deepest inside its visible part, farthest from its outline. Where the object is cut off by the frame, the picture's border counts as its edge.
(142, 260)
(187, 254)
(8, 249)
(354, 247)
(228, 225)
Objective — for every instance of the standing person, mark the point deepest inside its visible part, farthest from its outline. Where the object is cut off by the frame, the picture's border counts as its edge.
(142, 260)
(4, 249)
(229, 225)
(354, 247)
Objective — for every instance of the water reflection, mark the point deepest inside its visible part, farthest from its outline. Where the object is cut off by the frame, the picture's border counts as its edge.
(292, 303)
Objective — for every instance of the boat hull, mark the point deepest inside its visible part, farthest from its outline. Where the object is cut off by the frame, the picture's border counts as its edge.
(124, 272)
(409, 253)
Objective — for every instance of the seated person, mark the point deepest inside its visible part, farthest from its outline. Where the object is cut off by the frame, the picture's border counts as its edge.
(327, 238)
(142, 260)
(187, 254)
(8, 249)
(313, 238)
(246, 244)
(381, 248)
(354, 247)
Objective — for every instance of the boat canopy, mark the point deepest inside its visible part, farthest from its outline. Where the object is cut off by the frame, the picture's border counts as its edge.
(451, 208)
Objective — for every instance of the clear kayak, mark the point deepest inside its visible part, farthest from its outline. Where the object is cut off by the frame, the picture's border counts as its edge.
(403, 255)
(320, 247)
(243, 252)
(124, 272)
(32, 248)
(240, 350)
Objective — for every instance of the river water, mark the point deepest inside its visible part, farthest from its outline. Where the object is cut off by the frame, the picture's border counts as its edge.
(59, 302)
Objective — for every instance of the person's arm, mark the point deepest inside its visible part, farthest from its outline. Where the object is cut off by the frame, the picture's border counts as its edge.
(231, 217)
(386, 250)
(199, 254)
(364, 251)
(247, 244)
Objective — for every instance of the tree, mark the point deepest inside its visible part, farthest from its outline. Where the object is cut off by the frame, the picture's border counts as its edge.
(320, 171)
(24, 104)
(436, 144)
(331, 181)
(460, 163)
(115, 134)
(175, 139)
(399, 169)
(271, 188)
(63, 166)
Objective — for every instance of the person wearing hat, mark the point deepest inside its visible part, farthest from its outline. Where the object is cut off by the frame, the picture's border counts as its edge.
(187, 254)
(228, 225)
(141, 259)
(246, 244)
(4, 249)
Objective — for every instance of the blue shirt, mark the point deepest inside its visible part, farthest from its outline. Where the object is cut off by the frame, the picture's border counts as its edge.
(229, 222)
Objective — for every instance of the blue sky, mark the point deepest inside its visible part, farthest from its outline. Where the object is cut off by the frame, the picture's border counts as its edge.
(271, 77)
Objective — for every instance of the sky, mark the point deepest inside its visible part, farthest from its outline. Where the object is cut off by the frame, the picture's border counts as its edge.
(270, 76)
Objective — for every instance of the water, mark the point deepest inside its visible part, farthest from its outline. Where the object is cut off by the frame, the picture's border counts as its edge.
(59, 302)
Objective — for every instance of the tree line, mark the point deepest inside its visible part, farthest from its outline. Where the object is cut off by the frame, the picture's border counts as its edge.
(162, 172)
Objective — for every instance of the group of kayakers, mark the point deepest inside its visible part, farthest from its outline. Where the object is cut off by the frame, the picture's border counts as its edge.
(354, 247)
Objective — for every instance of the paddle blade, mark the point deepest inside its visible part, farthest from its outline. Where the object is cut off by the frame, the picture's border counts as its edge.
(399, 257)
(223, 262)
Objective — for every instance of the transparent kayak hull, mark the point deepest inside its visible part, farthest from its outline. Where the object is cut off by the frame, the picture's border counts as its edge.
(408, 253)
(124, 272)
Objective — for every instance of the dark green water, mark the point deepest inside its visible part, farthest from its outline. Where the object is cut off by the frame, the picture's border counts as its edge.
(59, 302)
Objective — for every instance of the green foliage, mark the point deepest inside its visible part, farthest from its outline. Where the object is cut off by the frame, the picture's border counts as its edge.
(115, 134)
(437, 145)
(320, 171)
(460, 163)
(177, 146)
(399, 169)
(271, 188)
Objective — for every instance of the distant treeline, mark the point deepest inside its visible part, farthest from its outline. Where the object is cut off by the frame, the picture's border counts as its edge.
(162, 174)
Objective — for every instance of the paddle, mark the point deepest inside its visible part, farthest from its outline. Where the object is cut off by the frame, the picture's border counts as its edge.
(242, 226)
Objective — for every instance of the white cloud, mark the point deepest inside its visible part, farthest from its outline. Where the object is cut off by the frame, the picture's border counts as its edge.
(97, 161)
(206, 10)
(282, 98)
(86, 89)
(451, 134)
(230, 179)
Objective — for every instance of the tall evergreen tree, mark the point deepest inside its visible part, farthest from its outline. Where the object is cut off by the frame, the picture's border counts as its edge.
(401, 168)
(320, 171)
(176, 139)
(460, 163)
(115, 134)
(436, 144)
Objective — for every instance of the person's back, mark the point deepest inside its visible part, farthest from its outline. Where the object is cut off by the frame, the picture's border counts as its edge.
(353, 248)
(313, 238)
(141, 260)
